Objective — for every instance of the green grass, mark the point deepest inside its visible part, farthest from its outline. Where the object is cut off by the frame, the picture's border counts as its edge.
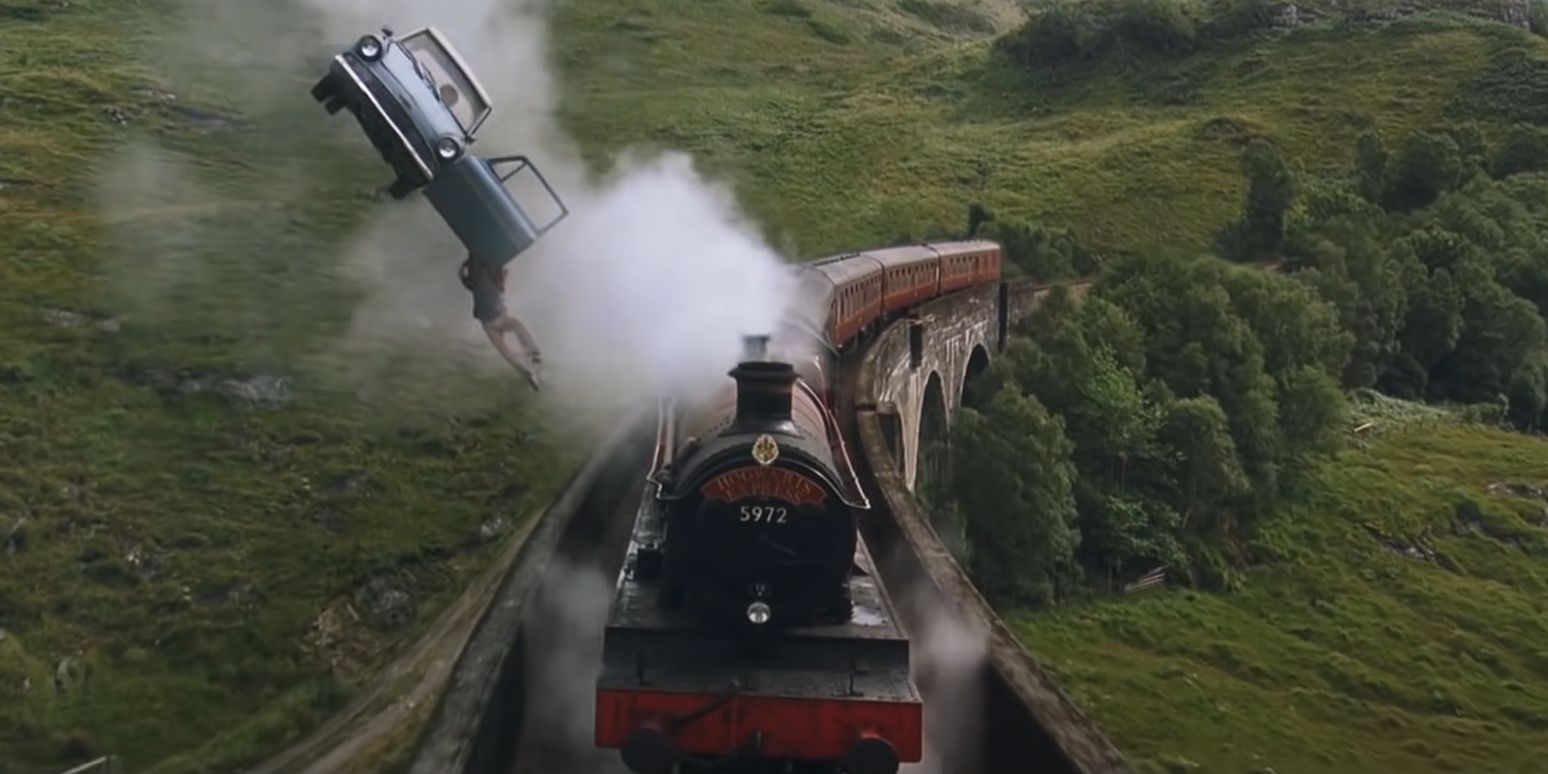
(1343, 652)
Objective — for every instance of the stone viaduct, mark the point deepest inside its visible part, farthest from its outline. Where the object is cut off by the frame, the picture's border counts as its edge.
(924, 363)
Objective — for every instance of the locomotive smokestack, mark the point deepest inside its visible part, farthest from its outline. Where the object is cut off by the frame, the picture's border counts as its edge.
(763, 386)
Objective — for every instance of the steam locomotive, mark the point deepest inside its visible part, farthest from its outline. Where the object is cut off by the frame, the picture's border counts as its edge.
(748, 626)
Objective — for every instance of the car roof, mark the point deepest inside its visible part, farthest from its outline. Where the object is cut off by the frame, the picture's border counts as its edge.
(904, 255)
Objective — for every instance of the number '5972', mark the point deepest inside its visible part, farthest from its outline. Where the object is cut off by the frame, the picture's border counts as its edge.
(766, 514)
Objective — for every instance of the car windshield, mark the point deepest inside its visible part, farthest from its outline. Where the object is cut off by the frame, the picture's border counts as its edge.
(453, 84)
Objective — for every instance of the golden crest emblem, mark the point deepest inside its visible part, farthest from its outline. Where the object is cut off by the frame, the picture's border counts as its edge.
(765, 450)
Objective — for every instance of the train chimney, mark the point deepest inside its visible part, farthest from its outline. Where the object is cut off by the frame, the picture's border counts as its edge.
(763, 387)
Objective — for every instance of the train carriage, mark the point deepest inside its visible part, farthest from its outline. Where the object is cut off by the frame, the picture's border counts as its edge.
(910, 274)
(852, 286)
(969, 263)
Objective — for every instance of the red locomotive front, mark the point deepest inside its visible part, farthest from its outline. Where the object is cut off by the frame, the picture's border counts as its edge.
(748, 623)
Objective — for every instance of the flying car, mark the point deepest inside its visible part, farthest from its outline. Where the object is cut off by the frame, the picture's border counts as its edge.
(420, 105)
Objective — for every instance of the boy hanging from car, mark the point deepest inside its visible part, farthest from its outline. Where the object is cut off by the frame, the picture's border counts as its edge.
(487, 283)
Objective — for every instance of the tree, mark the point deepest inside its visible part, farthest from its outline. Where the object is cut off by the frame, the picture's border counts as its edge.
(1312, 413)
(977, 216)
(1371, 159)
(1209, 471)
(1430, 163)
(1296, 327)
(1270, 189)
(1015, 482)
(1524, 149)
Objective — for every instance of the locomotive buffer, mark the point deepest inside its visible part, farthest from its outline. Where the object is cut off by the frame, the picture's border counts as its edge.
(734, 687)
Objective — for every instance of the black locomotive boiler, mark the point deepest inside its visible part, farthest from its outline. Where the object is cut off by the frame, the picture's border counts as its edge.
(748, 623)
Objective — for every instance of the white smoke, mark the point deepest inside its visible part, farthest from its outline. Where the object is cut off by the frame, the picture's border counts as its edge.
(949, 655)
(563, 661)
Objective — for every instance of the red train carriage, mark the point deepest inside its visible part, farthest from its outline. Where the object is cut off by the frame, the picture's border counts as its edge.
(965, 264)
(910, 274)
(847, 291)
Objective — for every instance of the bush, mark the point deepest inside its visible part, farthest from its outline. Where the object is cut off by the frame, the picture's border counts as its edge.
(1040, 252)
(1524, 149)
(1061, 33)
(1164, 26)
(1071, 30)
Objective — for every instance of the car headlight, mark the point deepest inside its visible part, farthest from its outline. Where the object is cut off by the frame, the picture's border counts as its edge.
(758, 613)
(447, 148)
(369, 48)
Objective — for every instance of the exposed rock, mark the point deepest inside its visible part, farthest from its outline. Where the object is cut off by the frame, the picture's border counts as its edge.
(68, 674)
(155, 94)
(1517, 12)
(146, 561)
(344, 486)
(241, 594)
(16, 537)
(1287, 15)
(203, 119)
(333, 637)
(1401, 548)
(64, 318)
(1516, 490)
(385, 603)
(116, 115)
(493, 528)
(263, 388)
(332, 521)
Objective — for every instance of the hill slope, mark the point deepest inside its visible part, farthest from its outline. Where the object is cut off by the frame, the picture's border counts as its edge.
(851, 138)
(1399, 625)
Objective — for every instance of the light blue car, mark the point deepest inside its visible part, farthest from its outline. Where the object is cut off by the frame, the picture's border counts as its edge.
(420, 105)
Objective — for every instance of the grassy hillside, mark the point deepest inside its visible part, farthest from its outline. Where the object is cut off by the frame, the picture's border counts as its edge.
(1396, 624)
(208, 534)
(216, 518)
(839, 133)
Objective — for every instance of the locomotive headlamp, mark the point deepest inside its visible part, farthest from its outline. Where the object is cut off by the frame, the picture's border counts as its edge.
(758, 613)
(448, 148)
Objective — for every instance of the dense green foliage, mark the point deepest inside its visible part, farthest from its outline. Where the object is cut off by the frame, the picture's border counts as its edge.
(1194, 395)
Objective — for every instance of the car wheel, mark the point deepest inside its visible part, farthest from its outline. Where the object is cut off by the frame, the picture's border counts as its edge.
(400, 189)
(325, 90)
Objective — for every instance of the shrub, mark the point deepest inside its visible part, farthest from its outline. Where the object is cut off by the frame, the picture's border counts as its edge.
(1524, 149)
(1164, 26)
